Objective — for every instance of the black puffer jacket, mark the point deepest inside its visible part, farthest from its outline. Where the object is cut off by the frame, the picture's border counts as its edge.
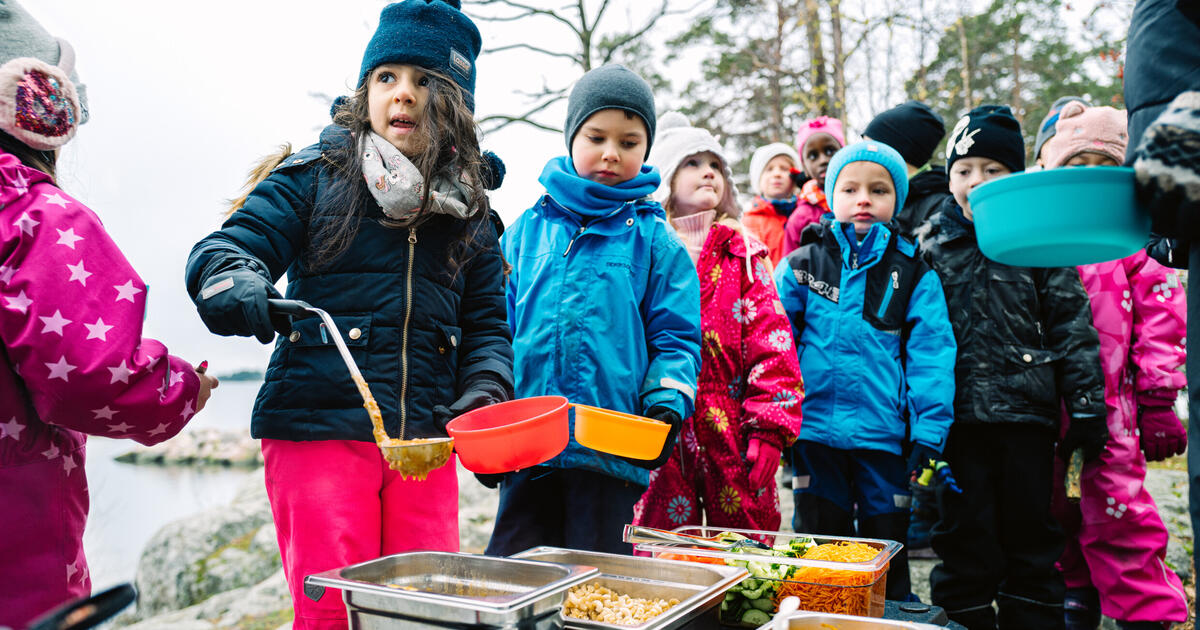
(1025, 335)
(420, 333)
(926, 191)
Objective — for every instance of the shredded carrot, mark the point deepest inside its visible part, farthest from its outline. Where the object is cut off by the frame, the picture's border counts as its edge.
(834, 590)
(680, 556)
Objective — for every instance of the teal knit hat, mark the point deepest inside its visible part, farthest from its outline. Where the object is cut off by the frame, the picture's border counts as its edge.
(869, 151)
(432, 34)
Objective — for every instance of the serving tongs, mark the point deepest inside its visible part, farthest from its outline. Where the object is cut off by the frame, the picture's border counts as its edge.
(641, 534)
(411, 458)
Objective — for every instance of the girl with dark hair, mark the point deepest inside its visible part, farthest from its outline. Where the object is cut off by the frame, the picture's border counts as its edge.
(385, 224)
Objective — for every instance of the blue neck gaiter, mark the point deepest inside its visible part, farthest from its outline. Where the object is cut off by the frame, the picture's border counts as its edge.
(593, 199)
(784, 207)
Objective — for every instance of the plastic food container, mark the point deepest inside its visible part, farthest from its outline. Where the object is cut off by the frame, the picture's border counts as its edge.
(511, 435)
(825, 621)
(1060, 217)
(848, 588)
(617, 433)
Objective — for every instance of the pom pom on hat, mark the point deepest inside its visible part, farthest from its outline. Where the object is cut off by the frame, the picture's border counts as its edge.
(672, 120)
(492, 171)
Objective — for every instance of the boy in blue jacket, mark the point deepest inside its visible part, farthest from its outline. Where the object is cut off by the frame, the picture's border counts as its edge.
(604, 306)
(875, 345)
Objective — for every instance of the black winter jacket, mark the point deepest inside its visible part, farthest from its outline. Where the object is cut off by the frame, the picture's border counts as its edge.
(1025, 335)
(926, 191)
(419, 333)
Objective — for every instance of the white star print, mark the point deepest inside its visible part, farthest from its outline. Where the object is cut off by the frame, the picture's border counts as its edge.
(71, 571)
(188, 411)
(79, 273)
(176, 378)
(11, 429)
(56, 200)
(26, 223)
(69, 464)
(120, 373)
(54, 323)
(60, 369)
(19, 303)
(6, 274)
(97, 330)
(126, 291)
(120, 428)
(21, 184)
(51, 452)
(162, 428)
(162, 391)
(104, 412)
(67, 237)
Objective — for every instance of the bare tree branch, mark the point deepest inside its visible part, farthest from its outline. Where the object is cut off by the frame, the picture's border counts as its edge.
(505, 120)
(536, 49)
(528, 11)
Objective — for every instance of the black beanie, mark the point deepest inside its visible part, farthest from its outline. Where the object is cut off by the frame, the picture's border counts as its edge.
(911, 128)
(988, 131)
(610, 87)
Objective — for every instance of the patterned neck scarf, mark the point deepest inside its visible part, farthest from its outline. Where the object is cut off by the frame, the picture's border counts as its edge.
(813, 194)
(398, 187)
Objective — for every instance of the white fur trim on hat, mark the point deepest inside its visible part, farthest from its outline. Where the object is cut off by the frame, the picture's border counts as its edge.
(763, 155)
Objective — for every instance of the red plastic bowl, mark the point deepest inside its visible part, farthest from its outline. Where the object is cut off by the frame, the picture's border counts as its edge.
(511, 435)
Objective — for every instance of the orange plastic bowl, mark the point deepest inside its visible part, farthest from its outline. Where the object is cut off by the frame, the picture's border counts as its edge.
(617, 433)
(511, 435)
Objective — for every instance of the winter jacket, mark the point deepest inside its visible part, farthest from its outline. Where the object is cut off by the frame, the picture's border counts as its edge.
(419, 332)
(605, 312)
(1025, 335)
(1162, 60)
(74, 364)
(764, 222)
(927, 190)
(811, 205)
(873, 337)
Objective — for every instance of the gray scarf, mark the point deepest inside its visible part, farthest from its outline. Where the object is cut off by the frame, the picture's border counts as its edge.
(398, 187)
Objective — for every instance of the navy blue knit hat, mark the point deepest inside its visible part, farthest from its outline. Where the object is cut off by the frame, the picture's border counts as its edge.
(432, 34)
(869, 151)
(988, 131)
(911, 128)
(610, 87)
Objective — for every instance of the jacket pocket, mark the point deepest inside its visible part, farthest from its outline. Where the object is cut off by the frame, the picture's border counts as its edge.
(448, 339)
(1028, 378)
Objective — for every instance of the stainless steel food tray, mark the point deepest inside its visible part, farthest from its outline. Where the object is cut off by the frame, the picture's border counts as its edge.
(451, 587)
(828, 621)
(698, 587)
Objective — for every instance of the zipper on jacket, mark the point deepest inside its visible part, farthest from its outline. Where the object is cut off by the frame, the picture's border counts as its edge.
(572, 241)
(412, 246)
(887, 295)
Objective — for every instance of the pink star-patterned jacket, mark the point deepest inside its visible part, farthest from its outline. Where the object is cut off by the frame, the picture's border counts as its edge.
(74, 363)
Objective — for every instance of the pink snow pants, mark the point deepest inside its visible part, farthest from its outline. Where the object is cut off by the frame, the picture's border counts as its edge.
(336, 503)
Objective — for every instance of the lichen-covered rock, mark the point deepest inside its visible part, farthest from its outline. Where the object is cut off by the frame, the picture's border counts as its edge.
(200, 446)
(263, 605)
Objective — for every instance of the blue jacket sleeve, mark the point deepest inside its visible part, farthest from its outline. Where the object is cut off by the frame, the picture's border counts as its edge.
(929, 351)
(794, 296)
(510, 248)
(671, 310)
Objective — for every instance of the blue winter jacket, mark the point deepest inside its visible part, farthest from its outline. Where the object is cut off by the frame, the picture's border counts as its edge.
(605, 312)
(420, 333)
(874, 339)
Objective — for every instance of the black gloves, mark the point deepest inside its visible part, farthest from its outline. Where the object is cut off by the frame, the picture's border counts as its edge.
(919, 458)
(1089, 434)
(234, 302)
(480, 393)
(662, 414)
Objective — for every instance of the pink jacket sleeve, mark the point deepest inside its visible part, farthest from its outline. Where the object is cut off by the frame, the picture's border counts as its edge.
(1159, 327)
(71, 311)
(774, 388)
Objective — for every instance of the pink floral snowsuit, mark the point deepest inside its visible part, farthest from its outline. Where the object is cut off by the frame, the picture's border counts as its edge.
(74, 363)
(749, 386)
(1116, 540)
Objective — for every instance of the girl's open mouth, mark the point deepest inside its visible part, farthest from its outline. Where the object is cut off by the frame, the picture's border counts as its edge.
(402, 122)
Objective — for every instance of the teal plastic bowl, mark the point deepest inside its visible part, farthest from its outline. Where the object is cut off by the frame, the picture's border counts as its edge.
(1060, 218)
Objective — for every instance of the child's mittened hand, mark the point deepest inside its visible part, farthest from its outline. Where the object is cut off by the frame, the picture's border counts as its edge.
(919, 458)
(481, 393)
(662, 414)
(764, 461)
(1167, 164)
(234, 302)
(1087, 433)
(1162, 432)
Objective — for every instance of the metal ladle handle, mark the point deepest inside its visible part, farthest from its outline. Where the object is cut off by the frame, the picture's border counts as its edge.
(301, 310)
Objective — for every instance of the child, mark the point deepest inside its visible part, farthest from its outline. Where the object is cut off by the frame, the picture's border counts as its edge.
(1116, 541)
(1025, 343)
(384, 224)
(748, 403)
(74, 362)
(604, 306)
(875, 346)
(816, 143)
(771, 169)
(914, 131)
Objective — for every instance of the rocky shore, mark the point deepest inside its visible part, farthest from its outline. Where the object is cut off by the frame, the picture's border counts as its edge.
(200, 447)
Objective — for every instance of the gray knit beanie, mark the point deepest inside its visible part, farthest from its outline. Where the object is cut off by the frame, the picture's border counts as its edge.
(610, 87)
(22, 36)
(1047, 129)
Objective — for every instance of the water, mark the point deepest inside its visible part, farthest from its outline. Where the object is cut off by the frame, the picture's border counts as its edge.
(129, 503)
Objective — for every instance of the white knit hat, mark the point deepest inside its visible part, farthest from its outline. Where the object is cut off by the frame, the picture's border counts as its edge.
(675, 141)
(763, 155)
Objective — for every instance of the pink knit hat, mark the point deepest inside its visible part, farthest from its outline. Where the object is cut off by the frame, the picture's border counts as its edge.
(820, 124)
(1083, 129)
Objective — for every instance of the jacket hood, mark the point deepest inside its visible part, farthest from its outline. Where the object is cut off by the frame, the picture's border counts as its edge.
(928, 182)
(16, 178)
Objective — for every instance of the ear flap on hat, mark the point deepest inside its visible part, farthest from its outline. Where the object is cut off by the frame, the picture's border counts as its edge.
(1071, 110)
(38, 102)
